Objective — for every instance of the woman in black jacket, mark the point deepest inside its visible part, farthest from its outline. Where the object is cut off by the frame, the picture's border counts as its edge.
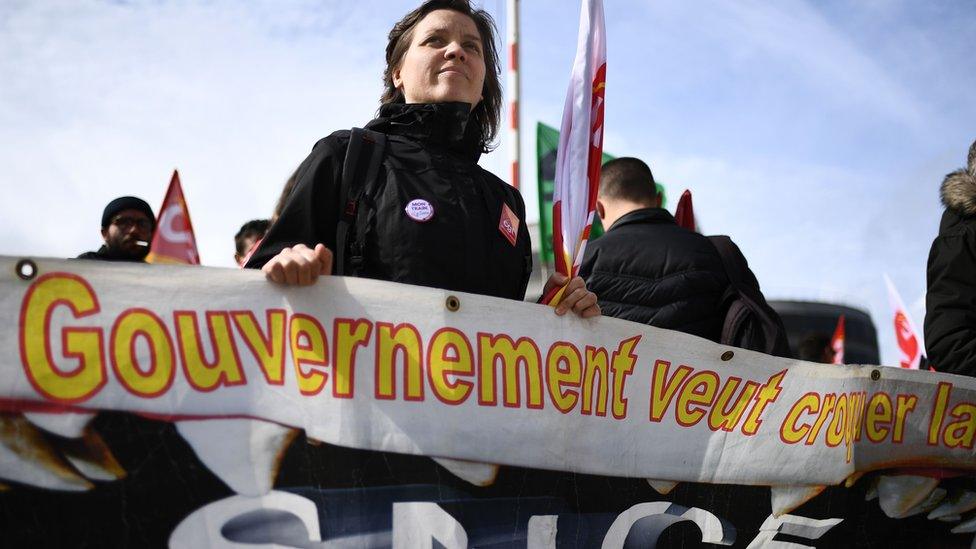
(429, 215)
(950, 317)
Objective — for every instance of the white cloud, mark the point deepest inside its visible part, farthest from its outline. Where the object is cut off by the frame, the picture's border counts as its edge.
(106, 99)
(796, 36)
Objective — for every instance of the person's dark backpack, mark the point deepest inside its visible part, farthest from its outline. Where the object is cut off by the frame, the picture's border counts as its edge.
(362, 163)
(750, 323)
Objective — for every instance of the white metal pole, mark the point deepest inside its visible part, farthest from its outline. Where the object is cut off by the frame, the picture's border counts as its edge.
(514, 90)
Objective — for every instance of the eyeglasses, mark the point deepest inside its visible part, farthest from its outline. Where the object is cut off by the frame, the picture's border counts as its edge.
(125, 223)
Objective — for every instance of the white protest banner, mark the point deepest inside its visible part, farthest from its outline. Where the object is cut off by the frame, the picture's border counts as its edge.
(389, 367)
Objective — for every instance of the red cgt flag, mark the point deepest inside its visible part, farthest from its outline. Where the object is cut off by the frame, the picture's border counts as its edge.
(684, 214)
(173, 241)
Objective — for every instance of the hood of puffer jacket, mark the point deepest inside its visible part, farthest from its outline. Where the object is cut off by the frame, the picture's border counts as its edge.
(959, 187)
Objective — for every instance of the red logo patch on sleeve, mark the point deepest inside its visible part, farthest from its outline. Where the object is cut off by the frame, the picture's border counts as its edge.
(508, 225)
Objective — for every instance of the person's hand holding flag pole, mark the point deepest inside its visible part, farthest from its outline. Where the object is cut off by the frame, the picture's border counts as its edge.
(578, 162)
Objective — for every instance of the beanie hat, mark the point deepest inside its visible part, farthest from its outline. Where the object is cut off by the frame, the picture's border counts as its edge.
(126, 203)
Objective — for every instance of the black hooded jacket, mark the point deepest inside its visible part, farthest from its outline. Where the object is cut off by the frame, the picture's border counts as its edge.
(950, 303)
(648, 269)
(431, 154)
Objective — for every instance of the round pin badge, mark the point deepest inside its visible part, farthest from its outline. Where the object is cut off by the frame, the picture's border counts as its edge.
(419, 210)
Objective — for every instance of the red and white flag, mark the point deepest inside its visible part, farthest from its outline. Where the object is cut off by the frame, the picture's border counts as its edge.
(173, 241)
(580, 152)
(909, 344)
(837, 342)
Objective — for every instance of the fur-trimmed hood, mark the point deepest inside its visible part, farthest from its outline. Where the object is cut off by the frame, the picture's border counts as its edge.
(959, 187)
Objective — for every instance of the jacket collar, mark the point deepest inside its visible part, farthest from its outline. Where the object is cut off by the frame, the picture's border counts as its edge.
(438, 124)
(643, 215)
(959, 192)
(959, 187)
(109, 254)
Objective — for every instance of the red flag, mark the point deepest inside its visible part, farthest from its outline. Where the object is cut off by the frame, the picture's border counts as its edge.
(684, 214)
(906, 336)
(907, 341)
(173, 241)
(837, 342)
(580, 152)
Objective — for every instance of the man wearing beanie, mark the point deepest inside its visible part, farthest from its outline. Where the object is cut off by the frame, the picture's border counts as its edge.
(950, 304)
(127, 228)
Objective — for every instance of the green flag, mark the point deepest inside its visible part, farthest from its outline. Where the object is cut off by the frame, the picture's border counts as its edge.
(546, 143)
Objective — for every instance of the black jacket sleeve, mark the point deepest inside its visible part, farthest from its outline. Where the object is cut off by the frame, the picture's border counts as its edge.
(311, 213)
(589, 259)
(950, 316)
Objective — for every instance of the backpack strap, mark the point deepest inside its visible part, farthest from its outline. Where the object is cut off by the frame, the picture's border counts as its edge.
(364, 155)
(737, 269)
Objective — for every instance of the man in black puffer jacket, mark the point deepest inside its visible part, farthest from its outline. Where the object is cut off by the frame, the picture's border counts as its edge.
(646, 268)
(950, 316)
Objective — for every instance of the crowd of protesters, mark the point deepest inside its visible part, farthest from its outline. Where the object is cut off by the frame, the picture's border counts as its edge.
(404, 200)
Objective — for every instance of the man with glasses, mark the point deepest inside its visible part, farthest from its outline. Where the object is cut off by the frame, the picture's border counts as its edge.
(127, 228)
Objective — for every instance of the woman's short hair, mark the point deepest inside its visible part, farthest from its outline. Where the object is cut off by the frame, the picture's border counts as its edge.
(488, 111)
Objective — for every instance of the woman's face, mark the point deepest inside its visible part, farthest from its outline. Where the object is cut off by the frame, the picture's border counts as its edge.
(443, 62)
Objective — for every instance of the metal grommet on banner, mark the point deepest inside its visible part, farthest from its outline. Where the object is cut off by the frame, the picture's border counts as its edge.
(26, 269)
(727, 356)
(875, 375)
(453, 303)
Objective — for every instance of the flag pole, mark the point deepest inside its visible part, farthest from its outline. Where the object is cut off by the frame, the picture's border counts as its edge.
(514, 90)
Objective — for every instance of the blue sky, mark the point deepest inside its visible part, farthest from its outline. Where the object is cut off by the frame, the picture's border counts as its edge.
(816, 134)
